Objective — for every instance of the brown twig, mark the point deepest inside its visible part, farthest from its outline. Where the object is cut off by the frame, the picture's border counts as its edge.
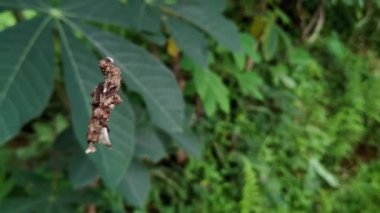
(104, 98)
(311, 31)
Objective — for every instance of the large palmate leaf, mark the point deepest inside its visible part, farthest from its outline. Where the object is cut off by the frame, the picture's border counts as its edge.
(37, 5)
(192, 41)
(110, 12)
(143, 74)
(135, 14)
(81, 76)
(142, 16)
(82, 171)
(135, 186)
(189, 142)
(149, 145)
(211, 20)
(26, 77)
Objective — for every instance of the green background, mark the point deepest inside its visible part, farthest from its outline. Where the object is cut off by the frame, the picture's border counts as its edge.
(230, 106)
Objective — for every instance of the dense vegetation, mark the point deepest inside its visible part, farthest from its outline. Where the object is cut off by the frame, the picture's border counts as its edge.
(279, 112)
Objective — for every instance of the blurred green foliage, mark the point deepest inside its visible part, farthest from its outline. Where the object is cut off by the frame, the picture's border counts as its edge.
(289, 121)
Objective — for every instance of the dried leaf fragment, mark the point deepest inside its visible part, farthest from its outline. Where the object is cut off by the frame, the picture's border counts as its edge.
(104, 98)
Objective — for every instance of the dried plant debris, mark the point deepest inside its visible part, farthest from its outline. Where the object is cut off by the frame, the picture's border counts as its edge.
(104, 98)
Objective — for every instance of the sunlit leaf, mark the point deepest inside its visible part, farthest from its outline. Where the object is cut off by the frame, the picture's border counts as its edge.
(250, 83)
(212, 91)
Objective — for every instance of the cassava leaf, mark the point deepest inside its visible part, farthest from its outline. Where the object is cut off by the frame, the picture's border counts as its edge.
(67, 143)
(37, 5)
(135, 14)
(143, 74)
(110, 12)
(189, 142)
(82, 171)
(148, 144)
(135, 186)
(211, 21)
(189, 39)
(81, 76)
(214, 6)
(143, 16)
(27, 71)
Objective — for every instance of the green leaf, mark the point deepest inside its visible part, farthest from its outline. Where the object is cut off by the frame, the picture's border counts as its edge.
(299, 56)
(135, 186)
(149, 145)
(38, 5)
(284, 38)
(288, 81)
(135, 14)
(145, 75)
(250, 83)
(190, 40)
(21, 205)
(109, 12)
(249, 45)
(48, 201)
(249, 49)
(281, 74)
(67, 143)
(81, 76)
(27, 72)
(239, 59)
(143, 16)
(189, 142)
(213, 6)
(251, 197)
(335, 46)
(82, 171)
(212, 91)
(270, 43)
(211, 21)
